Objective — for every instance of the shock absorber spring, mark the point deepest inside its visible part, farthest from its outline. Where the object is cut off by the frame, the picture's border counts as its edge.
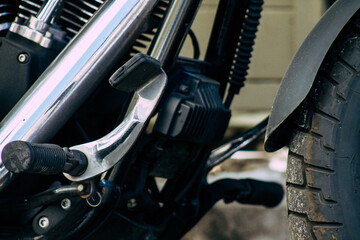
(241, 61)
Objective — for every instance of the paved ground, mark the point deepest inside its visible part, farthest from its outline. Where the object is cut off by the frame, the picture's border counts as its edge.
(244, 222)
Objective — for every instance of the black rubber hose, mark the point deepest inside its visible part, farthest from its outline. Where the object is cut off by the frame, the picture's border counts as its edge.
(195, 44)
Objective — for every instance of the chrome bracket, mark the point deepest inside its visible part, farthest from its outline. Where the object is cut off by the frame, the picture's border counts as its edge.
(105, 152)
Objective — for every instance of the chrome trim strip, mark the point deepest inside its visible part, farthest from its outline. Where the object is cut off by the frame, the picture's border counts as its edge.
(73, 75)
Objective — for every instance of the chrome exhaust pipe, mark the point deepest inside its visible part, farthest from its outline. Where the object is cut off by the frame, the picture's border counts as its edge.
(72, 76)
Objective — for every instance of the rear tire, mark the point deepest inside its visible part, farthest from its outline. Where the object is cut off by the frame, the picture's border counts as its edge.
(323, 174)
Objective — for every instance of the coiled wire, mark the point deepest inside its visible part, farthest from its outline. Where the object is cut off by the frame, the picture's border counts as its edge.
(241, 61)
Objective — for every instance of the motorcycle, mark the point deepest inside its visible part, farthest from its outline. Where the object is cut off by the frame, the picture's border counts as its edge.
(108, 133)
(82, 82)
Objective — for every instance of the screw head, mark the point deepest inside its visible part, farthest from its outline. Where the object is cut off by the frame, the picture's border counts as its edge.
(80, 188)
(184, 89)
(131, 203)
(23, 58)
(65, 204)
(44, 222)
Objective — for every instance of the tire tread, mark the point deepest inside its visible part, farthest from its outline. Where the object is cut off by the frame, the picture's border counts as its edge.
(313, 208)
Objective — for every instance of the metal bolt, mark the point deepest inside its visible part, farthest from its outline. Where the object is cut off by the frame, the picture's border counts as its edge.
(131, 203)
(80, 188)
(184, 89)
(48, 34)
(65, 204)
(44, 222)
(23, 57)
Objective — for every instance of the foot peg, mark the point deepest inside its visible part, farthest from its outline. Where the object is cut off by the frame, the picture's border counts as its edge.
(268, 194)
(19, 156)
(247, 191)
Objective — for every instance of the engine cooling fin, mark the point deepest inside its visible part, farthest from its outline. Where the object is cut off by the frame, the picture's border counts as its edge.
(142, 44)
(8, 10)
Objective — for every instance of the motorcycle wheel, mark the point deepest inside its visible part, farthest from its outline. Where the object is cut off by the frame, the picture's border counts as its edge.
(323, 173)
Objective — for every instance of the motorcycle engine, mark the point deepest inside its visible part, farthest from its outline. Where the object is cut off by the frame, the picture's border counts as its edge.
(26, 49)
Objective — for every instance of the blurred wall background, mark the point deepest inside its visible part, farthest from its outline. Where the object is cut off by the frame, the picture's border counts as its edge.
(283, 27)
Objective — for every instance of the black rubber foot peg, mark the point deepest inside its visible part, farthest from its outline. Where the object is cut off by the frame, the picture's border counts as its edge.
(268, 194)
(20, 156)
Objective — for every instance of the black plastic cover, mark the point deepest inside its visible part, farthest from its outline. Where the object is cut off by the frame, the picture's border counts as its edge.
(194, 111)
(16, 77)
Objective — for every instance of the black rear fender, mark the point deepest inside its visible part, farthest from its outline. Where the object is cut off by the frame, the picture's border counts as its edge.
(302, 71)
